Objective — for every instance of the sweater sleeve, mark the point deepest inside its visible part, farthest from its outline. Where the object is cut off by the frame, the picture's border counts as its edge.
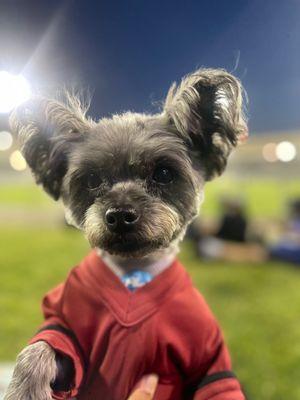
(214, 380)
(198, 347)
(219, 381)
(56, 332)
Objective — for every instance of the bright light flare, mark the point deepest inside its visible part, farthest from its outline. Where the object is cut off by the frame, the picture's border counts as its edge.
(14, 89)
(6, 140)
(286, 151)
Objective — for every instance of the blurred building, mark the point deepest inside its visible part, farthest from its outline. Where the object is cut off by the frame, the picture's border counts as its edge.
(265, 155)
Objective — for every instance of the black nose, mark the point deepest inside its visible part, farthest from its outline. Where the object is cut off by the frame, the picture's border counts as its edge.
(120, 220)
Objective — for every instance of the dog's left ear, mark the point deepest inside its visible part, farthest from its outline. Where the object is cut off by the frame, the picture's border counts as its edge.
(206, 111)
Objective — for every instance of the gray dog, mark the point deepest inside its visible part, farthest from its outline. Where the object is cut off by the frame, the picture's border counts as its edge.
(132, 184)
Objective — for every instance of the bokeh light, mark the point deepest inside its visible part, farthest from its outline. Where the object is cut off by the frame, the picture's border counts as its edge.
(17, 161)
(286, 151)
(269, 152)
(6, 140)
(14, 89)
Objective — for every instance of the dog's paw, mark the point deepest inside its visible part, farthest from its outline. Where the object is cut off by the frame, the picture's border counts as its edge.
(34, 371)
(65, 374)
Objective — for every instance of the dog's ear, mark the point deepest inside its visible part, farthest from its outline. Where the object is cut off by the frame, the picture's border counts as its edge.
(206, 110)
(47, 130)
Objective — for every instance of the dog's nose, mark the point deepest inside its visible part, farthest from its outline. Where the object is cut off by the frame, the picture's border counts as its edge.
(120, 220)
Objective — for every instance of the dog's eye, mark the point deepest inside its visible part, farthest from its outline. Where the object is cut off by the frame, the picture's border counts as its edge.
(93, 180)
(162, 175)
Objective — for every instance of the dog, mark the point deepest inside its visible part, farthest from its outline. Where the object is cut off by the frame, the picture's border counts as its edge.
(132, 183)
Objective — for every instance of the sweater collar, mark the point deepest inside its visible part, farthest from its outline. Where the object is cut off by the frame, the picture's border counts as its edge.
(130, 308)
(154, 268)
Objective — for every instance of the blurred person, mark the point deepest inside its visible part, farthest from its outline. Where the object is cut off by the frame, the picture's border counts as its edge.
(228, 240)
(287, 247)
(234, 222)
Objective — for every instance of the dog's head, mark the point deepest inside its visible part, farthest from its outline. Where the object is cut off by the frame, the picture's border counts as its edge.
(134, 182)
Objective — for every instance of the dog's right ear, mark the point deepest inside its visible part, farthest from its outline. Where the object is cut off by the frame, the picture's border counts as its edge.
(47, 130)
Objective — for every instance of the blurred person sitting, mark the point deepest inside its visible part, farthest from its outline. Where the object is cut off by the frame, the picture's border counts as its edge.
(233, 225)
(287, 247)
(228, 240)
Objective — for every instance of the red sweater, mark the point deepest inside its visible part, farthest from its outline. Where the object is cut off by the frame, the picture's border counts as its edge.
(115, 336)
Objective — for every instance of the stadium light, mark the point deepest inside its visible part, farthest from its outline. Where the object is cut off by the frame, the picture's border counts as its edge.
(14, 89)
(6, 140)
(286, 151)
(269, 152)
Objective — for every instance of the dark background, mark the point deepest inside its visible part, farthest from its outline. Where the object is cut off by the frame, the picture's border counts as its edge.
(127, 53)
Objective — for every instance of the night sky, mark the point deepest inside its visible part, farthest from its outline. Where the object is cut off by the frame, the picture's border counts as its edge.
(127, 53)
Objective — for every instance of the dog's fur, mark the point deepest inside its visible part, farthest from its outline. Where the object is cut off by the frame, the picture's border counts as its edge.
(114, 163)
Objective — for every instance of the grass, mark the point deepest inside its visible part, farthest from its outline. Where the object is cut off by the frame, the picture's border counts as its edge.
(24, 195)
(257, 306)
(258, 309)
(32, 261)
(264, 199)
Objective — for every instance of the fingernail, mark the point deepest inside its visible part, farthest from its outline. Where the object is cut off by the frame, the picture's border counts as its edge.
(148, 384)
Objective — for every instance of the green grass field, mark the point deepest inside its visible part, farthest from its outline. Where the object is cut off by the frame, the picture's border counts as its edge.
(263, 198)
(257, 306)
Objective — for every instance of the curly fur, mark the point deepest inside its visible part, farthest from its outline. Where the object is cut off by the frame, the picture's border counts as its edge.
(46, 129)
(206, 109)
(35, 370)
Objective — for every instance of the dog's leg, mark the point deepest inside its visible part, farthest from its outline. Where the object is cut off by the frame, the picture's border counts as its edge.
(34, 371)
